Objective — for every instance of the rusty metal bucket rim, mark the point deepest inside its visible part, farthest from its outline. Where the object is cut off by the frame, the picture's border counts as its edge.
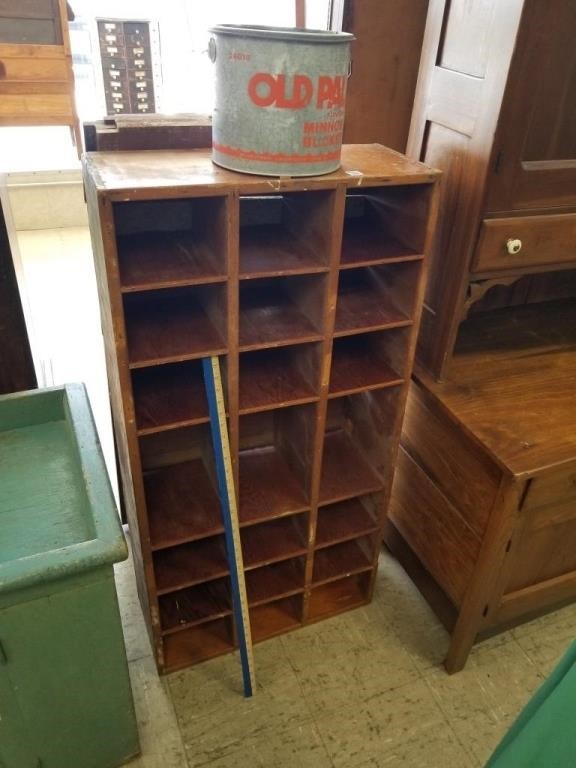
(287, 34)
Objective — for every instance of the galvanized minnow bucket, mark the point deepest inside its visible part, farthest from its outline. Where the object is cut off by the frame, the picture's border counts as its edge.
(280, 98)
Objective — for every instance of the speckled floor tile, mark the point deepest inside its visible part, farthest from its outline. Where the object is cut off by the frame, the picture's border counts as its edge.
(405, 611)
(215, 719)
(382, 728)
(483, 700)
(546, 639)
(360, 675)
(299, 747)
(160, 740)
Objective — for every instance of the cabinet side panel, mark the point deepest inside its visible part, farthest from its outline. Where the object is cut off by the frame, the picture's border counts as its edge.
(433, 528)
(102, 230)
(467, 478)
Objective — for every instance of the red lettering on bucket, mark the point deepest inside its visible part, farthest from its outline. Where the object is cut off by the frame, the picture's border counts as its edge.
(266, 90)
(262, 78)
(330, 92)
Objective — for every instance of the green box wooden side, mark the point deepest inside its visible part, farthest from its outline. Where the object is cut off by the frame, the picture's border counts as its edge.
(65, 697)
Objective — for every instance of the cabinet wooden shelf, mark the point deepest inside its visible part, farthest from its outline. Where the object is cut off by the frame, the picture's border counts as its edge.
(174, 325)
(271, 314)
(169, 396)
(379, 227)
(152, 261)
(367, 300)
(343, 559)
(199, 643)
(275, 618)
(182, 504)
(345, 520)
(279, 377)
(338, 596)
(169, 243)
(195, 605)
(369, 361)
(345, 473)
(274, 541)
(284, 234)
(189, 564)
(272, 480)
(311, 295)
(272, 582)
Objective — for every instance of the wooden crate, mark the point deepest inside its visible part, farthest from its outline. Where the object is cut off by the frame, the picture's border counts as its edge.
(310, 290)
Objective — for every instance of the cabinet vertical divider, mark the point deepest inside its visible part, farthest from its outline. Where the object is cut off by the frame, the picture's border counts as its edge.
(331, 295)
(233, 324)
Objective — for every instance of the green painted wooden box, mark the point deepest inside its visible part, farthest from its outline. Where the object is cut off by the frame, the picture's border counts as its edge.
(65, 697)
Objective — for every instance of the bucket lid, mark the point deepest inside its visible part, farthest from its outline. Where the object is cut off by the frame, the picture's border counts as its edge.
(283, 33)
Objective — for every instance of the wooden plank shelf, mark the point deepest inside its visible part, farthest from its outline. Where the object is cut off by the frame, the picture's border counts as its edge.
(272, 251)
(275, 378)
(272, 582)
(154, 260)
(267, 487)
(182, 504)
(195, 605)
(190, 564)
(363, 306)
(308, 288)
(198, 643)
(171, 327)
(365, 244)
(275, 618)
(345, 473)
(273, 541)
(343, 521)
(169, 396)
(338, 596)
(270, 317)
(342, 559)
(358, 365)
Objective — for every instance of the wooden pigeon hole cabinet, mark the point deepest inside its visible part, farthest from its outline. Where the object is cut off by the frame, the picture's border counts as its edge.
(310, 290)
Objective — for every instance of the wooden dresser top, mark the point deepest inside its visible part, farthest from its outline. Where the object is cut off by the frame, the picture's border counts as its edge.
(512, 385)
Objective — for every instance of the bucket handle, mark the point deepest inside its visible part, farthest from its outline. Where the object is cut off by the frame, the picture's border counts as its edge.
(212, 49)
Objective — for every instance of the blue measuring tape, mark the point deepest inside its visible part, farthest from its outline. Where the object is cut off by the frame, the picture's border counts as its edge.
(225, 477)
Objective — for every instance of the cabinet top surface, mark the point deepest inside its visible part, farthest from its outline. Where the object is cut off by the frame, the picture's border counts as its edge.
(512, 385)
(131, 173)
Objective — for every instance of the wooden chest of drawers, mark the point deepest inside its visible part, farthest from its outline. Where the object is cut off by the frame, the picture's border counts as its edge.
(483, 509)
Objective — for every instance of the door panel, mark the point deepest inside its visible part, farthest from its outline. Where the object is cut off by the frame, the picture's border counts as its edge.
(535, 148)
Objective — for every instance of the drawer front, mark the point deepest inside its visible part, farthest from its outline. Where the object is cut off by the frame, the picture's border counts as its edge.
(526, 242)
(37, 70)
(546, 548)
(554, 488)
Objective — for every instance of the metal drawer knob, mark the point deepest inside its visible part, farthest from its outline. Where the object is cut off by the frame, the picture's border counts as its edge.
(513, 245)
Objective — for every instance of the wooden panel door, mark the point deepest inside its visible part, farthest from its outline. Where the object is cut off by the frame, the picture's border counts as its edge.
(535, 149)
(463, 70)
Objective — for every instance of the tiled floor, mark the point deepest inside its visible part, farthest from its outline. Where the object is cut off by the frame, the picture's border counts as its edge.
(363, 690)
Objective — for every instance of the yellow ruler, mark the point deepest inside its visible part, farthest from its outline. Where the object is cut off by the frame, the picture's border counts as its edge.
(221, 445)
